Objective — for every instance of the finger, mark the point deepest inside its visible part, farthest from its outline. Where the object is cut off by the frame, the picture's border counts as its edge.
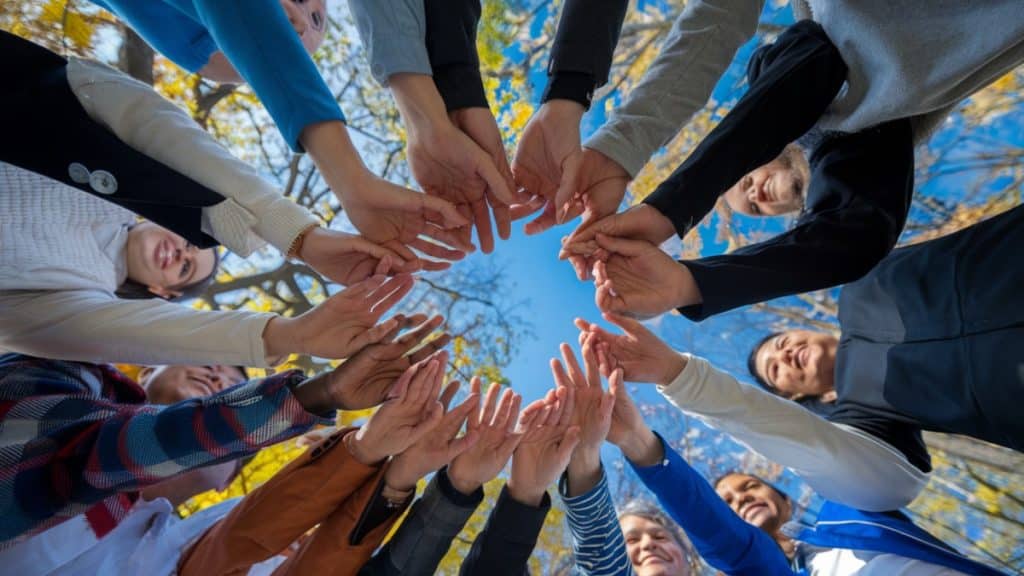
(568, 404)
(543, 222)
(403, 284)
(460, 239)
(606, 407)
(570, 439)
(419, 388)
(600, 272)
(436, 250)
(502, 217)
(450, 216)
(496, 182)
(590, 362)
(628, 325)
(573, 365)
(520, 211)
(474, 421)
(437, 377)
(449, 392)
(454, 419)
(490, 403)
(509, 412)
(400, 388)
(460, 445)
(401, 323)
(374, 334)
(362, 288)
(562, 380)
(529, 416)
(433, 265)
(568, 184)
(409, 340)
(582, 267)
(482, 222)
(431, 347)
(623, 246)
(508, 446)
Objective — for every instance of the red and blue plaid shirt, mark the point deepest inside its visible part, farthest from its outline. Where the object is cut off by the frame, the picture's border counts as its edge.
(78, 438)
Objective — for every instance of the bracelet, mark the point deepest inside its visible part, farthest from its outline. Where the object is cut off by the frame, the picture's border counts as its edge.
(296, 247)
(395, 498)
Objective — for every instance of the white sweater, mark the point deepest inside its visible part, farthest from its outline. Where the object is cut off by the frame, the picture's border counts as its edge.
(62, 256)
(841, 463)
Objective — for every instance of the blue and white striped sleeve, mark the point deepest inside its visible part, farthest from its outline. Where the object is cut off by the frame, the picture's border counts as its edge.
(597, 542)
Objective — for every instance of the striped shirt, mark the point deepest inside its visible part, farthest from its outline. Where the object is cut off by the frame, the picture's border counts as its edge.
(597, 542)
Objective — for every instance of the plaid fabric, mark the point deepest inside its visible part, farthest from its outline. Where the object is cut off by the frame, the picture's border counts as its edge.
(74, 434)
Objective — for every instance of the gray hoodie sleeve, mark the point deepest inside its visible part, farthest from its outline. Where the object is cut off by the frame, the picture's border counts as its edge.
(701, 45)
(393, 34)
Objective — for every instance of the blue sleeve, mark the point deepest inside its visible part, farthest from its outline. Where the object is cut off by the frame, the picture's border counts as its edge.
(721, 537)
(168, 30)
(597, 542)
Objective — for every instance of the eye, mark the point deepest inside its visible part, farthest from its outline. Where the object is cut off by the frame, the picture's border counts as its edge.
(318, 20)
(185, 268)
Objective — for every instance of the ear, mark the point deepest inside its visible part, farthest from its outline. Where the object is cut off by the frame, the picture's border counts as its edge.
(165, 293)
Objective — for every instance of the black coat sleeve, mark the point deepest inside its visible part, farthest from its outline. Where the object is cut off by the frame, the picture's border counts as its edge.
(451, 46)
(504, 546)
(49, 133)
(581, 55)
(859, 196)
(792, 82)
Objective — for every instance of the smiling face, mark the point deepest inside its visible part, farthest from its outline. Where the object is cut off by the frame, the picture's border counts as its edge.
(757, 503)
(798, 363)
(172, 384)
(164, 262)
(652, 549)
(309, 19)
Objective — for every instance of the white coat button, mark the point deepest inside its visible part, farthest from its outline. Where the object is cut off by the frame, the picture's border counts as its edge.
(103, 182)
(78, 173)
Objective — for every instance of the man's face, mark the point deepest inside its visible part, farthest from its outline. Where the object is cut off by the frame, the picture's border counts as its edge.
(770, 190)
(651, 548)
(757, 503)
(172, 384)
(309, 18)
(798, 363)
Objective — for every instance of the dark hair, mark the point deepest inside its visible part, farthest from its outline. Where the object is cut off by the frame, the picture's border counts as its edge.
(752, 363)
(777, 490)
(132, 290)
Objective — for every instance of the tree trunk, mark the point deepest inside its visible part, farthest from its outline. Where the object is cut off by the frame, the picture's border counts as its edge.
(135, 57)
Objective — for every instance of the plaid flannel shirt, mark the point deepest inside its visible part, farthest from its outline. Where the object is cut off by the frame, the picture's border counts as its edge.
(76, 437)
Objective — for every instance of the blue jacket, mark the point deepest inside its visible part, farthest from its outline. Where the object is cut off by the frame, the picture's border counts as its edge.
(256, 38)
(736, 548)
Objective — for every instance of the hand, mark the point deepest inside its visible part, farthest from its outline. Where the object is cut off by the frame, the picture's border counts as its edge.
(602, 186)
(496, 426)
(641, 222)
(480, 126)
(348, 258)
(405, 418)
(641, 355)
(593, 406)
(638, 279)
(438, 446)
(389, 215)
(364, 380)
(546, 447)
(548, 158)
(340, 325)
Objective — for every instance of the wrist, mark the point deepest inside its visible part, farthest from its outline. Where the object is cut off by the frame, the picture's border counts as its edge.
(583, 472)
(674, 364)
(361, 450)
(279, 339)
(643, 448)
(529, 495)
(399, 479)
(567, 109)
(686, 291)
(334, 154)
(462, 485)
(299, 248)
(311, 395)
(419, 102)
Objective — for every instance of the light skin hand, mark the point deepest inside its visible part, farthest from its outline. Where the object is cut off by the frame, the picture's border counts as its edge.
(641, 222)
(438, 446)
(602, 186)
(386, 214)
(636, 278)
(365, 379)
(547, 444)
(641, 355)
(547, 161)
(592, 414)
(496, 426)
(447, 162)
(342, 324)
(349, 258)
(404, 419)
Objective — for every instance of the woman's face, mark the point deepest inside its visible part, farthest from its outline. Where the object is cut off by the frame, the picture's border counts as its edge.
(757, 503)
(309, 18)
(770, 190)
(651, 548)
(164, 262)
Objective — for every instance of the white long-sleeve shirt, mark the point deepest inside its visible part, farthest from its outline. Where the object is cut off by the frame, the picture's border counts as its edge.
(839, 462)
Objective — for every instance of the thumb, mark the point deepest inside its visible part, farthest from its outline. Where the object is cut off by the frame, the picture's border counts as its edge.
(450, 216)
(570, 439)
(567, 185)
(497, 183)
(623, 246)
(629, 325)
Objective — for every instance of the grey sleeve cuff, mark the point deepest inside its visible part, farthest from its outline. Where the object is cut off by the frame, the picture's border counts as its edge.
(393, 33)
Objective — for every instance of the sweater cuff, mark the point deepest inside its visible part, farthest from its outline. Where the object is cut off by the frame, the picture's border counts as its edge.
(290, 410)
(668, 201)
(461, 87)
(283, 222)
(575, 86)
(679, 387)
(652, 471)
(613, 143)
(255, 326)
(518, 522)
(405, 54)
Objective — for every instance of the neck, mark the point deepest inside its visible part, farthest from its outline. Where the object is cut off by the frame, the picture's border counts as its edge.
(787, 544)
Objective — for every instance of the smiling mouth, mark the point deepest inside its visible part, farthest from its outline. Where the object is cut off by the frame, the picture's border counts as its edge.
(748, 512)
(803, 356)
